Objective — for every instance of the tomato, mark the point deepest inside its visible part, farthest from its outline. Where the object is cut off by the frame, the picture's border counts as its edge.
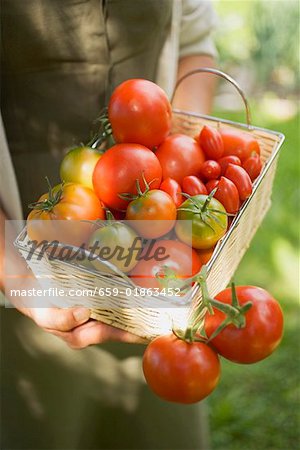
(261, 334)
(223, 162)
(139, 112)
(199, 224)
(211, 170)
(228, 194)
(211, 142)
(181, 372)
(238, 143)
(112, 242)
(78, 165)
(172, 188)
(253, 166)
(58, 215)
(205, 255)
(153, 214)
(180, 156)
(211, 185)
(179, 257)
(118, 169)
(193, 185)
(241, 179)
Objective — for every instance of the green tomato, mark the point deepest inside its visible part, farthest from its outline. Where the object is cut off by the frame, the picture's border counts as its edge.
(116, 243)
(78, 165)
(201, 221)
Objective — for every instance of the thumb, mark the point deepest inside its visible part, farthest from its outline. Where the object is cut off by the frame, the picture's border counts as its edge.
(60, 319)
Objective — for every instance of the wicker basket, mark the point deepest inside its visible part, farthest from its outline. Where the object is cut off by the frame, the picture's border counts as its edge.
(133, 314)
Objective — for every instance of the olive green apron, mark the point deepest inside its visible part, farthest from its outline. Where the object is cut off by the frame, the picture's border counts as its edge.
(61, 60)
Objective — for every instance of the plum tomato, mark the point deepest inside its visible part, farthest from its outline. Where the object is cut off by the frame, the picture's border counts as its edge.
(172, 187)
(192, 185)
(253, 166)
(239, 143)
(223, 162)
(241, 179)
(211, 142)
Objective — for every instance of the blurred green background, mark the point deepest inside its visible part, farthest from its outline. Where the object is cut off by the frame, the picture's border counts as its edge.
(257, 406)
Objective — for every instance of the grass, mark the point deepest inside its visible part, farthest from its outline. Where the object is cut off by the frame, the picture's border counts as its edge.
(257, 406)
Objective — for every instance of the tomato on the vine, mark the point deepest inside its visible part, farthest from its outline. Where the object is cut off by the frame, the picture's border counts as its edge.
(261, 334)
(201, 221)
(211, 142)
(152, 214)
(180, 156)
(139, 112)
(179, 371)
(172, 187)
(118, 170)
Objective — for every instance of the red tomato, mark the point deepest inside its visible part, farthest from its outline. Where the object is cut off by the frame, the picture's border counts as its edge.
(261, 334)
(205, 255)
(253, 166)
(179, 257)
(140, 112)
(228, 195)
(211, 170)
(59, 215)
(193, 185)
(118, 169)
(241, 179)
(211, 142)
(181, 372)
(180, 156)
(238, 143)
(211, 185)
(228, 159)
(153, 214)
(172, 188)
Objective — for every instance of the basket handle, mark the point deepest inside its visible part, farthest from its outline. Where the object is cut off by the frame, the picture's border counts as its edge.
(222, 75)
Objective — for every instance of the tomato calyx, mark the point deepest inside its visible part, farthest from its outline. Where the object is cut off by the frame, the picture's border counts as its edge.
(51, 201)
(104, 137)
(234, 312)
(140, 193)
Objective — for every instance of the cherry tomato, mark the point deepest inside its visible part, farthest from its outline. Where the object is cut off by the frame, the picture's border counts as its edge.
(228, 159)
(59, 214)
(118, 169)
(241, 179)
(261, 334)
(181, 372)
(78, 165)
(153, 214)
(172, 188)
(238, 143)
(253, 166)
(140, 112)
(180, 156)
(228, 195)
(211, 142)
(211, 170)
(175, 255)
(211, 185)
(192, 185)
(112, 242)
(199, 225)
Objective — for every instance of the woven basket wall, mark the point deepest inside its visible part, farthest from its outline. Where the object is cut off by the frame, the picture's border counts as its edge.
(133, 314)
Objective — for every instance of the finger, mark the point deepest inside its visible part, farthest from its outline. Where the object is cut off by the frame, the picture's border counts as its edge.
(60, 319)
(93, 332)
